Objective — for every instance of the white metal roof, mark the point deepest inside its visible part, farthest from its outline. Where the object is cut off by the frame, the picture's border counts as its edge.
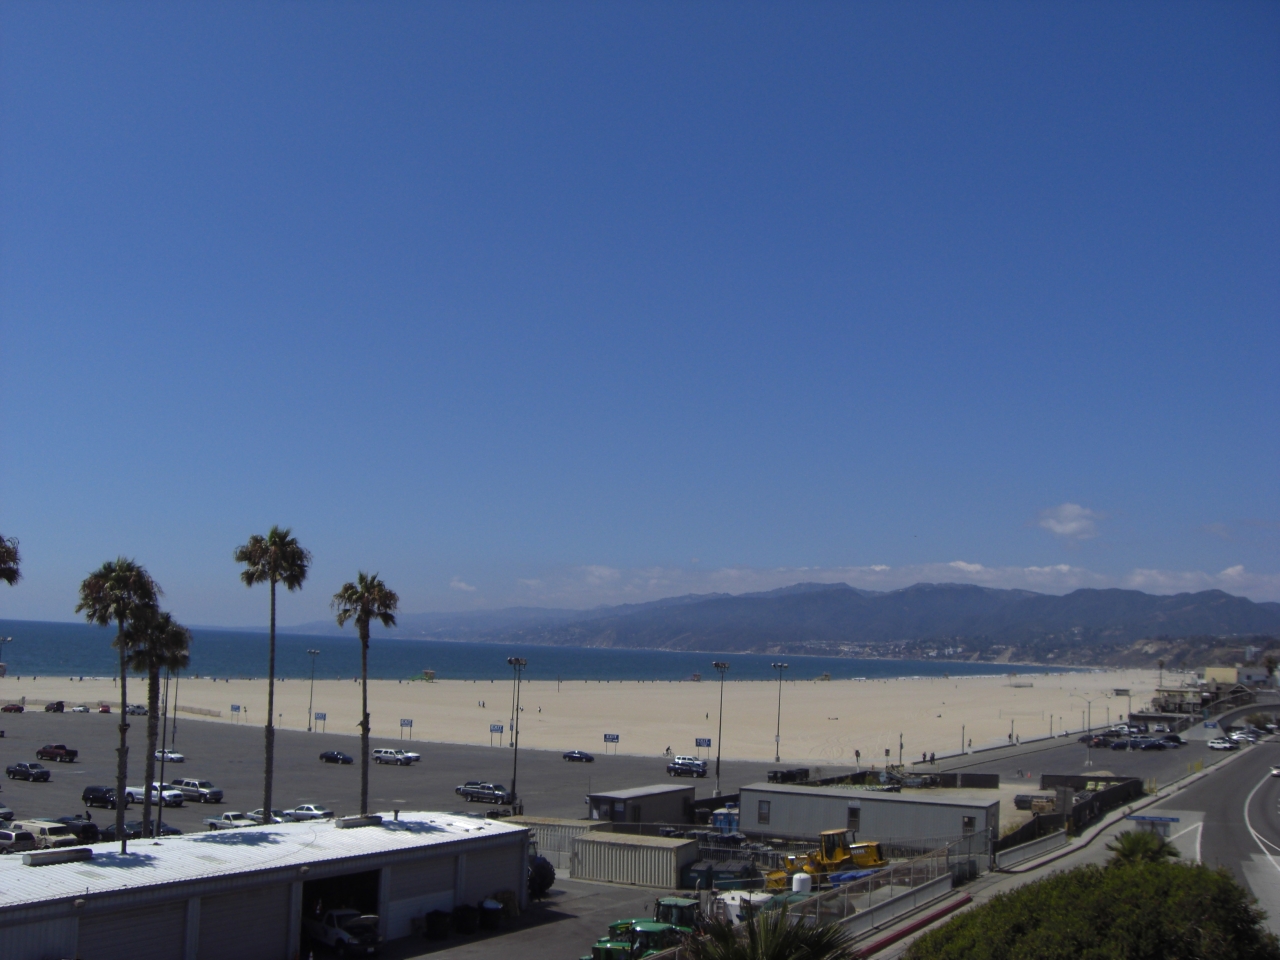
(942, 797)
(634, 792)
(202, 856)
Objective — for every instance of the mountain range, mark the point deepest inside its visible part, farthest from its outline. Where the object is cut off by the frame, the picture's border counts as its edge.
(945, 619)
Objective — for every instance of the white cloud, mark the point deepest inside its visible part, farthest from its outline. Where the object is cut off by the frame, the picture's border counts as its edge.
(457, 584)
(593, 586)
(1070, 520)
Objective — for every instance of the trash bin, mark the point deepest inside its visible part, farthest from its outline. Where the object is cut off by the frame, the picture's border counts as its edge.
(490, 914)
(466, 918)
(437, 925)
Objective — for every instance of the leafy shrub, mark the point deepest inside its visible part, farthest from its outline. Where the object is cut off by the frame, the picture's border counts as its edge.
(1128, 911)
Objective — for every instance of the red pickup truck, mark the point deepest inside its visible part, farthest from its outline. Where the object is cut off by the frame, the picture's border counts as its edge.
(57, 751)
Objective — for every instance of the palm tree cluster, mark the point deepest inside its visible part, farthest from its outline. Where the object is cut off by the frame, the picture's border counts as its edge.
(121, 593)
(10, 562)
(771, 935)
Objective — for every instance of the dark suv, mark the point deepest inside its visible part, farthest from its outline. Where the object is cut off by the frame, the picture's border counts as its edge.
(99, 797)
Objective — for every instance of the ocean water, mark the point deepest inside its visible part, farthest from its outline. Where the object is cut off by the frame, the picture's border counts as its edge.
(76, 649)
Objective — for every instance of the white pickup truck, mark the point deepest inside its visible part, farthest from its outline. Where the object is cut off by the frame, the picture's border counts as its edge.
(349, 932)
(165, 793)
(229, 821)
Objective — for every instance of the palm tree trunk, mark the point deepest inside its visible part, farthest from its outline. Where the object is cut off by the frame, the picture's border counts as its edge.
(153, 733)
(271, 706)
(364, 718)
(122, 752)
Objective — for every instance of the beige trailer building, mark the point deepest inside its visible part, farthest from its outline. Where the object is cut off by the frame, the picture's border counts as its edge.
(243, 893)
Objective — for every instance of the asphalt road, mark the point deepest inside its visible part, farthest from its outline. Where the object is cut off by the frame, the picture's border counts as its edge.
(232, 757)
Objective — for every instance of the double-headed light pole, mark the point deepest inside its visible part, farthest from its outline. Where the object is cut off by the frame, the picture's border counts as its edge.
(517, 664)
(311, 701)
(721, 667)
(777, 735)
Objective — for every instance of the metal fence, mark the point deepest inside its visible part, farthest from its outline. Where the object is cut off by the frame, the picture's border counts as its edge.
(841, 904)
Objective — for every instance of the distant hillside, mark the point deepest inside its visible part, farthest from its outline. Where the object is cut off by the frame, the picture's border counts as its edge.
(949, 620)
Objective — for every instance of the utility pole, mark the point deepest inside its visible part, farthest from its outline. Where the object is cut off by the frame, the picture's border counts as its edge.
(311, 701)
(777, 736)
(518, 664)
(721, 667)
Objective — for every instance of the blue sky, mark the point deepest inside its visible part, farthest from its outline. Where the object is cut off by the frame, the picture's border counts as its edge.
(567, 304)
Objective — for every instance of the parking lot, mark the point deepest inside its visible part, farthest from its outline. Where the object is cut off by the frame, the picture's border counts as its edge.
(232, 757)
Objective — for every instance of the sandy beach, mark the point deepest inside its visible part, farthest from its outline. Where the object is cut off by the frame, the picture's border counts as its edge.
(822, 721)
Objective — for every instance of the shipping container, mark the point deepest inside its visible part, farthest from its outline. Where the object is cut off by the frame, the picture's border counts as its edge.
(554, 836)
(644, 861)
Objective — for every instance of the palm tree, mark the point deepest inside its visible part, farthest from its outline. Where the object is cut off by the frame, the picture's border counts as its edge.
(770, 935)
(1141, 846)
(275, 558)
(122, 591)
(156, 642)
(366, 599)
(10, 562)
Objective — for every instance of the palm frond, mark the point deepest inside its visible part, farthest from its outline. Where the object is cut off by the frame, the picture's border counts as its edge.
(10, 561)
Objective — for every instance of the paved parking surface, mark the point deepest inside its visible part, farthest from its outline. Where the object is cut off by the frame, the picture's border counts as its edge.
(232, 757)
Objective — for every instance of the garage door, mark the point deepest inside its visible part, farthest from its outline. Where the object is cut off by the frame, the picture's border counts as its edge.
(158, 932)
(248, 925)
(35, 941)
(423, 876)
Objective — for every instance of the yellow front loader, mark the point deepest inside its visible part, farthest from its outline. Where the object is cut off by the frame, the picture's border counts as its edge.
(836, 853)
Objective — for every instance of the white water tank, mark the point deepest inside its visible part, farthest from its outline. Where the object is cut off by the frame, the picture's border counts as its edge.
(801, 883)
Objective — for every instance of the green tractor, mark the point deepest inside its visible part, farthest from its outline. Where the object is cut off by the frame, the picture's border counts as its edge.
(679, 912)
(633, 939)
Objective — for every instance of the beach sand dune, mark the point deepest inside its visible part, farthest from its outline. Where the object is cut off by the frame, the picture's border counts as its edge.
(823, 722)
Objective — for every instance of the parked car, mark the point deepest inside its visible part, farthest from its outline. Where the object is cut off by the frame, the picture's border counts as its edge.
(166, 794)
(1154, 745)
(133, 831)
(170, 756)
(12, 708)
(49, 834)
(349, 932)
(136, 710)
(335, 756)
(5, 812)
(1275, 771)
(201, 791)
(481, 792)
(80, 708)
(228, 821)
(86, 831)
(100, 797)
(579, 756)
(58, 752)
(277, 816)
(309, 811)
(57, 706)
(410, 755)
(1174, 739)
(387, 755)
(16, 841)
(687, 767)
(104, 708)
(27, 771)
(1222, 743)
(1120, 745)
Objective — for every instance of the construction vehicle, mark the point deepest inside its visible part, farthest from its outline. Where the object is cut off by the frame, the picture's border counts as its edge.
(633, 939)
(837, 852)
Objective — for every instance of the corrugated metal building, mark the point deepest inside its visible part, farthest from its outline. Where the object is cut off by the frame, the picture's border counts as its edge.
(620, 858)
(784, 810)
(243, 893)
(554, 836)
(660, 803)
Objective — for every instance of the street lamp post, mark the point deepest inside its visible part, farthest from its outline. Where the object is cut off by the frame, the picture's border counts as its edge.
(311, 701)
(517, 664)
(777, 736)
(1128, 717)
(721, 667)
(4, 641)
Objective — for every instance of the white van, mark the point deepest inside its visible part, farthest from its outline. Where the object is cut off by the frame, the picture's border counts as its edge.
(48, 833)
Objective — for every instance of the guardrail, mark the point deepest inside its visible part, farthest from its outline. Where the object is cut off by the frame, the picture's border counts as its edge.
(1030, 850)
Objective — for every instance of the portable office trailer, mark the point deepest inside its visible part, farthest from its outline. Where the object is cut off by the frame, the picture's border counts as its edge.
(623, 858)
(660, 803)
(244, 892)
(783, 810)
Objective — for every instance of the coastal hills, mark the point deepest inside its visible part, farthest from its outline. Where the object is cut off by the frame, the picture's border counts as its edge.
(948, 620)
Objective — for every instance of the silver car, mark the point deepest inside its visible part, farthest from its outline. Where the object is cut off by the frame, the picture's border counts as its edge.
(309, 811)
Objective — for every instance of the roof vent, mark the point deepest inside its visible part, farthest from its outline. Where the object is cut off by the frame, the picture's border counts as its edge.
(372, 820)
(42, 858)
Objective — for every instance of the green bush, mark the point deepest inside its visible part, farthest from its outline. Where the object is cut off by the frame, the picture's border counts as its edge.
(1135, 911)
